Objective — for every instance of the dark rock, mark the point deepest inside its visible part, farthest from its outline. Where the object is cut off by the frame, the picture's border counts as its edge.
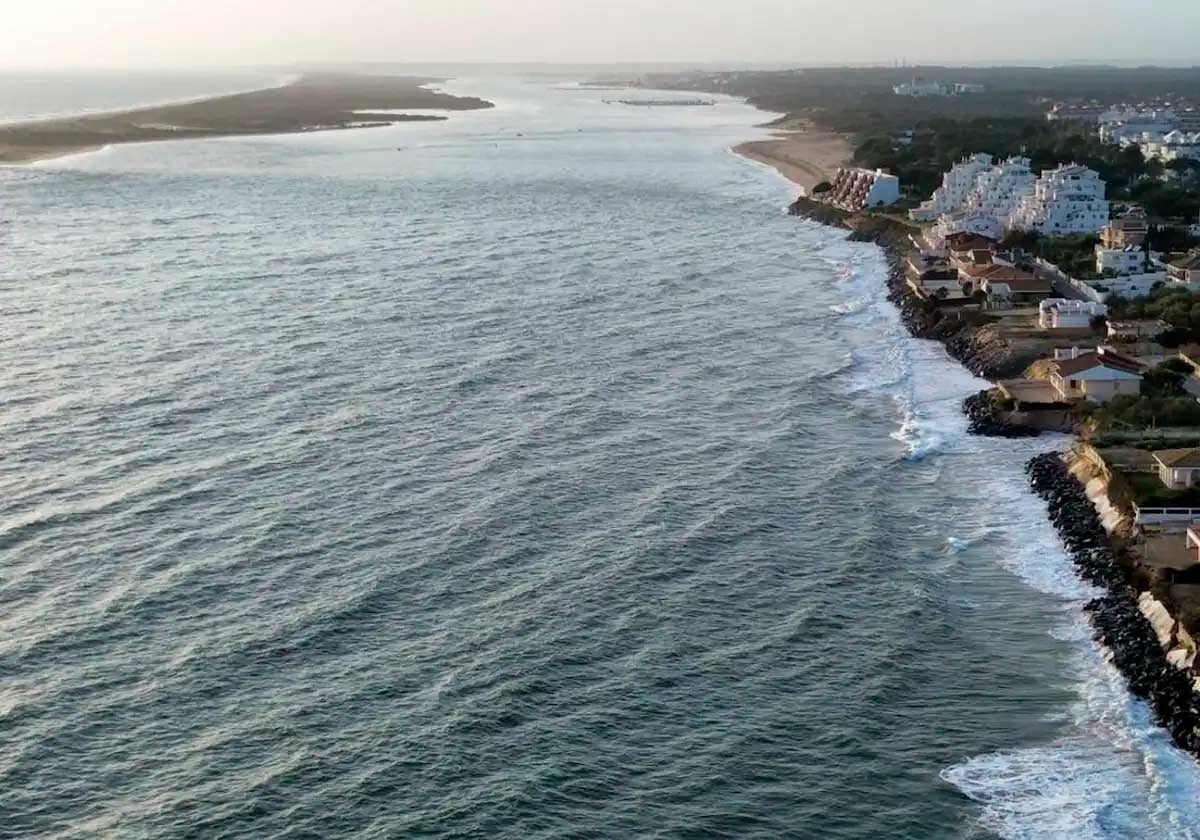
(1116, 621)
(985, 420)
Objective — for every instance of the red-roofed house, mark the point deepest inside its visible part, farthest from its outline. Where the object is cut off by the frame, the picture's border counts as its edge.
(1006, 286)
(1096, 377)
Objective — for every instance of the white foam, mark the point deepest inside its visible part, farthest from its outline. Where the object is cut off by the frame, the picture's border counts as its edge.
(1114, 774)
(957, 545)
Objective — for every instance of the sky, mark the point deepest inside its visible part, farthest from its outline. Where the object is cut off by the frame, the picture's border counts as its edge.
(195, 33)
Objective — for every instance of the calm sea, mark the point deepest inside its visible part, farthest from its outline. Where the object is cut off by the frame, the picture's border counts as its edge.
(38, 94)
(526, 475)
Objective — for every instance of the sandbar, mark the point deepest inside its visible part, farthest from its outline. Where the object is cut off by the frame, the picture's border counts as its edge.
(312, 103)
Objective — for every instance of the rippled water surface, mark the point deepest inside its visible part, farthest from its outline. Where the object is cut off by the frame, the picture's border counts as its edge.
(526, 475)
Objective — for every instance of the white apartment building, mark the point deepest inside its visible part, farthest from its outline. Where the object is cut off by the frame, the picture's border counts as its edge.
(985, 209)
(1001, 189)
(1129, 260)
(1069, 199)
(957, 186)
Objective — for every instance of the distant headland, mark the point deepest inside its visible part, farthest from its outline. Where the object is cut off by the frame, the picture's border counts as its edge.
(312, 103)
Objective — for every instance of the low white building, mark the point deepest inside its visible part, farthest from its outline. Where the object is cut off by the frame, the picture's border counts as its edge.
(1128, 260)
(967, 221)
(1124, 285)
(1069, 199)
(1063, 314)
(856, 189)
(921, 87)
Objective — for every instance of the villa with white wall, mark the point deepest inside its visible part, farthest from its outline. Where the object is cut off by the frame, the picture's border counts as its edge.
(1128, 260)
(1063, 314)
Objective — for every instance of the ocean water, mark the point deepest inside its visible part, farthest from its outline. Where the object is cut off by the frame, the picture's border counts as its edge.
(40, 94)
(526, 475)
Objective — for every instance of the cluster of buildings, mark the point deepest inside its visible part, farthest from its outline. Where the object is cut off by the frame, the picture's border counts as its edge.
(1126, 267)
(920, 88)
(1164, 131)
(971, 268)
(1178, 113)
(1174, 145)
(1119, 125)
(981, 196)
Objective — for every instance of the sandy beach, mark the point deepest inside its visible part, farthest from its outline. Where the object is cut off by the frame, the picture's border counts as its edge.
(804, 155)
(313, 103)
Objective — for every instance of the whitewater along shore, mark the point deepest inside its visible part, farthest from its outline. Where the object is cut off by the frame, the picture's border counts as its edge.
(321, 102)
(967, 338)
(1118, 620)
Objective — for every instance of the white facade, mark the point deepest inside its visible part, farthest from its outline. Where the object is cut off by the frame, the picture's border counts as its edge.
(1000, 190)
(968, 221)
(1175, 145)
(1062, 314)
(1126, 285)
(957, 186)
(857, 189)
(987, 204)
(918, 87)
(1069, 199)
(1121, 124)
(1007, 196)
(1129, 260)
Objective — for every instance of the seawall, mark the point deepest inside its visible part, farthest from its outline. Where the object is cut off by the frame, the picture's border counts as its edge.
(1131, 624)
(1151, 649)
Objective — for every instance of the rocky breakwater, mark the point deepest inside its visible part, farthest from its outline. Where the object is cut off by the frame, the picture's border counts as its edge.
(986, 418)
(1118, 618)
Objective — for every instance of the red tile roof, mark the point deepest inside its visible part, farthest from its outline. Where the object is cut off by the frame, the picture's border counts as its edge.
(1108, 359)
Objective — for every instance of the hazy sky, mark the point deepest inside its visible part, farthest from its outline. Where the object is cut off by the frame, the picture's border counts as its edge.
(80, 33)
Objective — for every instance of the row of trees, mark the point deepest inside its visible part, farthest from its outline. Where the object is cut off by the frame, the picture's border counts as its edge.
(1176, 307)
